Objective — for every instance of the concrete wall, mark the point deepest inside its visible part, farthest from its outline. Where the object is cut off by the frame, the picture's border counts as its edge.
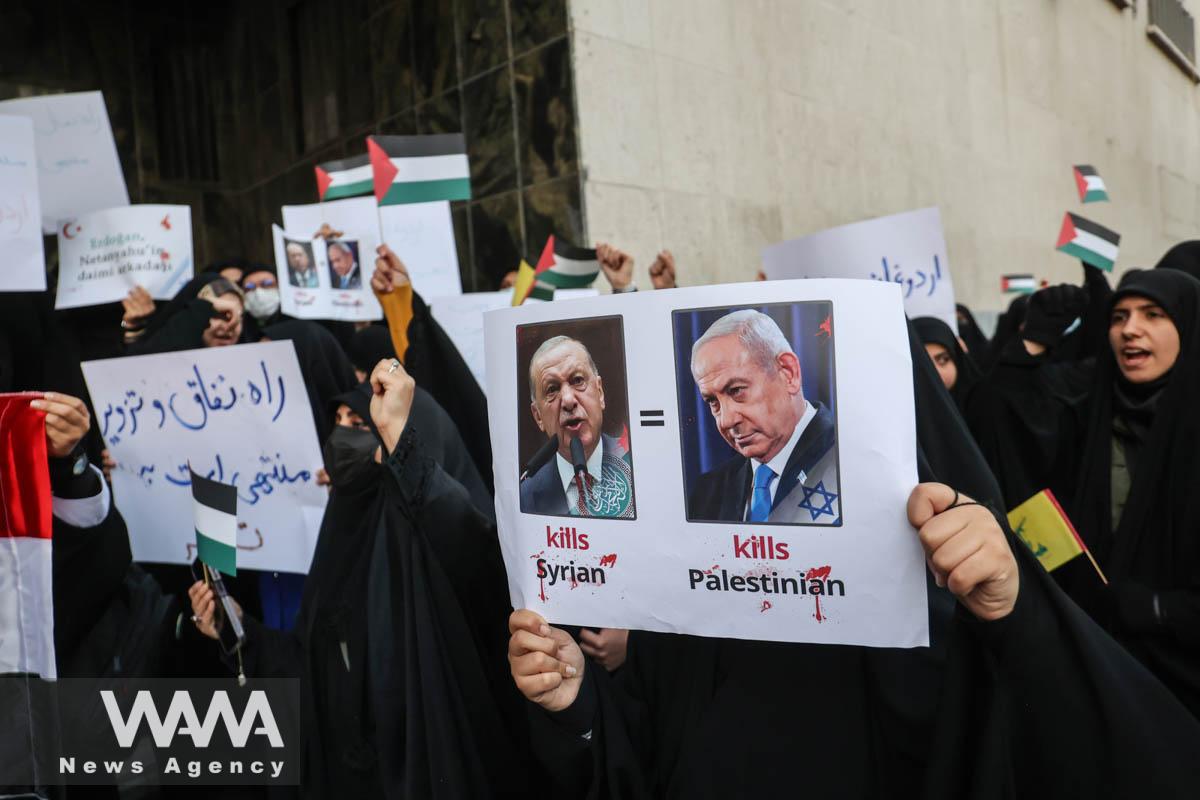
(714, 127)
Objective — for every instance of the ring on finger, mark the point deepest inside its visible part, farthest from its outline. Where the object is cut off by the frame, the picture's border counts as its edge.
(395, 366)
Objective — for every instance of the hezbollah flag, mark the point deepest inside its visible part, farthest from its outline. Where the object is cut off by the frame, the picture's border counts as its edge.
(26, 522)
(1090, 184)
(1089, 242)
(1043, 526)
(419, 169)
(349, 177)
(215, 507)
(561, 266)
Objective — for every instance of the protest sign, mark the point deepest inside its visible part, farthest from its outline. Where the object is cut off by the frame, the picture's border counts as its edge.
(353, 215)
(78, 167)
(24, 267)
(238, 415)
(461, 316)
(326, 279)
(423, 236)
(906, 249)
(105, 254)
(649, 532)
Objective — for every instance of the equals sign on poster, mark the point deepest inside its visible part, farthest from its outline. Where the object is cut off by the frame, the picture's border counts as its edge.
(648, 418)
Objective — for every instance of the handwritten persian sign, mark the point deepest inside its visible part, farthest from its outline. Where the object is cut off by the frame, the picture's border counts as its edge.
(105, 254)
(423, 236)
(24, 266)
(78, 167)
(237, 415)
(326, 279)
(906, 249)
(659, 528)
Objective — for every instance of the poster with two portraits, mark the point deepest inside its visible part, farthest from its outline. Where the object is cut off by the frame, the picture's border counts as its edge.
(326, 279)
(730, 461)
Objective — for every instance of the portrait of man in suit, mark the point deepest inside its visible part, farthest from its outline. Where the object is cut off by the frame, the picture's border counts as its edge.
(567, 400)
(343, 265)
(784, 468)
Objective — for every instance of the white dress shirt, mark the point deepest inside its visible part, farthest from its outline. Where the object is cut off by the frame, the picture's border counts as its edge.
(779, 462)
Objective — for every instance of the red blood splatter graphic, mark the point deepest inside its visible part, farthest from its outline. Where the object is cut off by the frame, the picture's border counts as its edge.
(826, 328)
(165, 256)
(820, 573)
(766, 606)
(541, 581)
(166, 222)
(609, 560)
(710, 571)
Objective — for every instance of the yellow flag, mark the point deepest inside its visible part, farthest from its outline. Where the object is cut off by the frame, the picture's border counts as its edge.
(1043, 526)
(526, 275)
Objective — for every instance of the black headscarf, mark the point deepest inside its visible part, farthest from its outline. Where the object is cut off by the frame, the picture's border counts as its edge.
(323, 364)
(1008, 326)
(1156, 543)
(1184, 257)
(931, 330)
(180, 324)
(371, 345)
(971, 334)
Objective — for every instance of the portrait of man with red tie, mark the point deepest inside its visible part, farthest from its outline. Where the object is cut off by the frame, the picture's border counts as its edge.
(580, 470)
(783, 468)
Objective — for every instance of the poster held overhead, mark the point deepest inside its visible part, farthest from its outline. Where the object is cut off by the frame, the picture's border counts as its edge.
(660, 510)
(104, 254)
(422, 235)
(24, 268)
(78, 168)
(907, 249)
(325, 279)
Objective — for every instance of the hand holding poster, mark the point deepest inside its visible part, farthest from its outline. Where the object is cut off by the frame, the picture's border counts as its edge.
(326, 279)
(105, 254)
(24, 268)
(78, 167)
(906, 249)
(238, 415)
(711, 461)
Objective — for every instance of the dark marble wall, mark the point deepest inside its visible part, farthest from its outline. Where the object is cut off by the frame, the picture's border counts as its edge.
(227, 106)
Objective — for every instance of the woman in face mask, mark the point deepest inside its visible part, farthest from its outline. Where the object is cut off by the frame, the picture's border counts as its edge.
(261, 287)
(401, 629)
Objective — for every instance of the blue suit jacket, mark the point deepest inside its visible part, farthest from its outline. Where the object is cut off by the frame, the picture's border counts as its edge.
(721, 494)
(543, 493)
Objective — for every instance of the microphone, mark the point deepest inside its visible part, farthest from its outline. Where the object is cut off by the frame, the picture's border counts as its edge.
(578, 459)
(544, 454)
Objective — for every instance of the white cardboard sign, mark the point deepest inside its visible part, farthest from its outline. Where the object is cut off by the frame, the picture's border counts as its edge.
(78, 167)
(655, 534)
(104, 254)
(238, 415)
(24, 268)
(321, 279)
(907, 249)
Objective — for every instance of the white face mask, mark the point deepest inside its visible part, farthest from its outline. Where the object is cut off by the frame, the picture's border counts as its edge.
(262, 303)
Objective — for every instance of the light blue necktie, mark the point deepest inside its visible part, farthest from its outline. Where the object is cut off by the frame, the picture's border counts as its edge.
(760, 500)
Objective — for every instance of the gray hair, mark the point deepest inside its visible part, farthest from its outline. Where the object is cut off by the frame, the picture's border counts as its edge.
(546, 347)
(757, 332)
(345, 248)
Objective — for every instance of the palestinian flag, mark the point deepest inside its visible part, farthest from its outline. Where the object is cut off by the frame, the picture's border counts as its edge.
(1090, 184)
(562, 266)
(215, 509)
(1025, 284)
(1090, 243)
(349, 177)
(26, 523)
(527, 286)
(1043, 526)
(419, 169)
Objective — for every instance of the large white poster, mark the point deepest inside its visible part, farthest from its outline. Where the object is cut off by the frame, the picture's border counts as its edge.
(422, 234)
(730, 461)
(238, 415)
(24, 267)
(352, 215)
(101, 256)
(326, 279)
(78, 167)
(906, 249)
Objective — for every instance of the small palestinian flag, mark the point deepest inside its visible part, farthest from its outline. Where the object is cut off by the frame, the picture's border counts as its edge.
(563, 266)
(215, 510)
(1043, 526)
(1090, 184)
(419, 169)
(527, 286)
(1090, 243)
(349, 177)
(1025, 284)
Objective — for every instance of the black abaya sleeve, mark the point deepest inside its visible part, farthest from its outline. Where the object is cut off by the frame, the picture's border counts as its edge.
(268, 653)
(183, 331)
